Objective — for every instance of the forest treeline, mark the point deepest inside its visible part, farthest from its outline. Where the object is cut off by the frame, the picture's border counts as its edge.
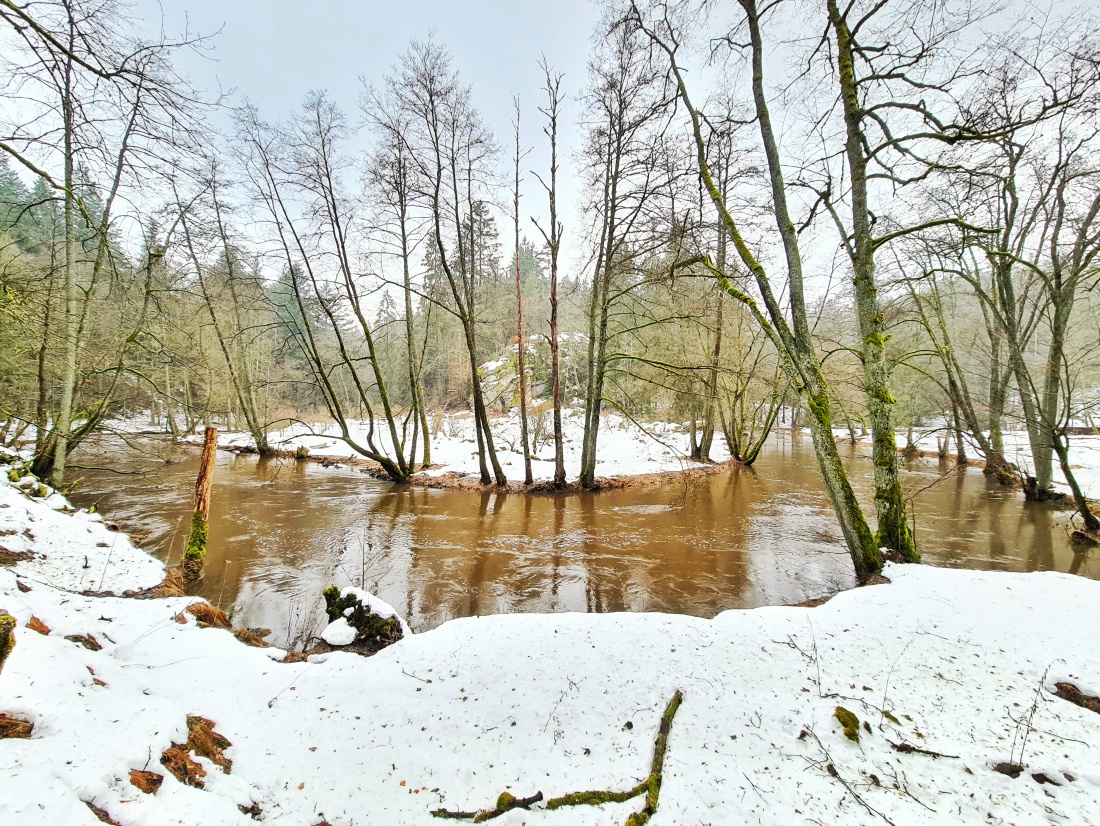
(889, 224)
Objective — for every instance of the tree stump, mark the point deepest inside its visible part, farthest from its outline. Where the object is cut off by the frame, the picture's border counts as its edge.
(196, 540)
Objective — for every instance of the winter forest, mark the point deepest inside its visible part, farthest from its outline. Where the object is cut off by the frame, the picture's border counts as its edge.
(769, 303)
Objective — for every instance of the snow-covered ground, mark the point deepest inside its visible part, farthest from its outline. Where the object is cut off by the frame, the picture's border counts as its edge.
(959, 663)
(1084, 454)
(625, 449)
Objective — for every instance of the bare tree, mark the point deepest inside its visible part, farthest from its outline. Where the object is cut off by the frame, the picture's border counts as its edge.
(521, 335)
(553, 244)
(451, 148)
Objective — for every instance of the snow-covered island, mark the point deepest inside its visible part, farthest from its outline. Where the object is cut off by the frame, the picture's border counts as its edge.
(628, 449)
(944, 676)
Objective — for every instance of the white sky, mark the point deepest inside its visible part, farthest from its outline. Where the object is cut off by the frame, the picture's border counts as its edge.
(274, 52)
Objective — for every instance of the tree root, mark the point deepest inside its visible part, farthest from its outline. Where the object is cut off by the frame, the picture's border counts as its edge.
(650, 787)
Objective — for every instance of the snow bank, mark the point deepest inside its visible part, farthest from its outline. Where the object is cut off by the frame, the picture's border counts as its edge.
(947, 661)
(76, 552)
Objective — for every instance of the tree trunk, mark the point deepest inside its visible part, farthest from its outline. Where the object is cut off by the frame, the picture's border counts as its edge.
(893, 529)
(63, 421)
(200, 519)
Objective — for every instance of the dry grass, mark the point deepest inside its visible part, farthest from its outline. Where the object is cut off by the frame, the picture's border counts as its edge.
(171, 587)
(12, 728)
(205, 742)
(253, 636)
(178, 760)
(208, 615)
(147, 782)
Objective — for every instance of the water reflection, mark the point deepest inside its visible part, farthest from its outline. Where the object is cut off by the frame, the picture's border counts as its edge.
(281, 531)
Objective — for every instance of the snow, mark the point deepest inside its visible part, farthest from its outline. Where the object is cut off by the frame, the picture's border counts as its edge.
(75, 553)
(377, 606)
(338, 632)
(1084, 453)
(625, 448)
(524, 703)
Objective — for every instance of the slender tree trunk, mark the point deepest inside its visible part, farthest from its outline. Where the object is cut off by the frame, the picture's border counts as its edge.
(893, 528)
(553, 241)
(63, 421)
(707, 439)
(1062, 450)
(521, 337)
(416, 390)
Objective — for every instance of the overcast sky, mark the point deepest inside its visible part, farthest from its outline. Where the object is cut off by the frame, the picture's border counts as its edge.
(274, 52)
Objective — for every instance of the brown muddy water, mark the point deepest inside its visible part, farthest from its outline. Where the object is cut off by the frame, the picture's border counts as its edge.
(282, 530)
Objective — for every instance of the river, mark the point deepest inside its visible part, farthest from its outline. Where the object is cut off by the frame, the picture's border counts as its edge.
(282, 530)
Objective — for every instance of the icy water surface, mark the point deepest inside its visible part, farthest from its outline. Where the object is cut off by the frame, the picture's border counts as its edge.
(281, 531)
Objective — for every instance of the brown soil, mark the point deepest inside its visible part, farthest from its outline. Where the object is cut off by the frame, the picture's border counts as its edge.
(12, 728)
(1012, 770)
(13, 557)
(147, 782)
(87, 640)
(1071, 693)
(874, 579)
(101, 814)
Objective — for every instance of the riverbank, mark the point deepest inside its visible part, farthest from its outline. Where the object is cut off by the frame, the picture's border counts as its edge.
(945, 671)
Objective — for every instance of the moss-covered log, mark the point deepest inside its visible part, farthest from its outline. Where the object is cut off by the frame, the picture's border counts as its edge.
(7, 637)
(650, 787)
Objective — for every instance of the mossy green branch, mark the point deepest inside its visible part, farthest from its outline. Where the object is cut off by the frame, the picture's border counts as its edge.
(651, 786)
(505, 803)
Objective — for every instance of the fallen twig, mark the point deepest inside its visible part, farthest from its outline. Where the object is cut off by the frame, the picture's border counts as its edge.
(906, 748)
